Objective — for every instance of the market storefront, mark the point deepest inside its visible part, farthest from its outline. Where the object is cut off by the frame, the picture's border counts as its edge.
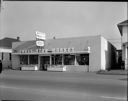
(44, 59)
(92, 53)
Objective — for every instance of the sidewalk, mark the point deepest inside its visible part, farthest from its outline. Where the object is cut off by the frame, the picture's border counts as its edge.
(113, 72)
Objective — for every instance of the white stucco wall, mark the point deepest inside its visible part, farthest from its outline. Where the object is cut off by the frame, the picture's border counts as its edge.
(104, 49)
(125, 34)
(108, 55)
(124, 47)
(102, 54)
(95, 56)
(124, 40)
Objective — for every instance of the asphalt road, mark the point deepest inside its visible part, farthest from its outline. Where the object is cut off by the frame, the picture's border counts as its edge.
(62, 86)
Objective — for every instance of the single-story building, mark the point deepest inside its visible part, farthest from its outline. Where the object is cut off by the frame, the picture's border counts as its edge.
(88, 53)
(6, 50)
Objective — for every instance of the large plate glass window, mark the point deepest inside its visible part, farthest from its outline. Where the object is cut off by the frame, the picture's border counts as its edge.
(69, 59)
(24, 59)
(33, 59)
(82, 59)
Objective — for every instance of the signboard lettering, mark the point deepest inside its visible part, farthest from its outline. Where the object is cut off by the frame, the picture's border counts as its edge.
(53, 50)
(40, 43)
(40, 35)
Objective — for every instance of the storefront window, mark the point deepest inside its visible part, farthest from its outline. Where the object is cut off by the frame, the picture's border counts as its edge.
(69, 59)
(56, 59)
(53, 59)
(82, 59)
(24, 59)
(33, 59)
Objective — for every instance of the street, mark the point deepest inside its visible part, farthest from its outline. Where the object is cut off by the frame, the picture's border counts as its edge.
(62, 86)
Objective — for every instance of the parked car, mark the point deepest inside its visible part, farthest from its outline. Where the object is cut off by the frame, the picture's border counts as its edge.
(0, 66)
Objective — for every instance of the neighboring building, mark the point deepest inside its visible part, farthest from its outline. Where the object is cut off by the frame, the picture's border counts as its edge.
(91, 53)
(6, 50)
(119, 59)
(123, 28)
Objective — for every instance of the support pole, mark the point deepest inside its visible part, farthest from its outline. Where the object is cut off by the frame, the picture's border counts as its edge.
(39, 63)
(28, 60)
(62, 59)
(75, 60)
(50, 60)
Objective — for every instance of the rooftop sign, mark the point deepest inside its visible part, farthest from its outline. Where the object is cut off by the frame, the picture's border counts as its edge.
(40, 38)
(40, 43)
(40, 35)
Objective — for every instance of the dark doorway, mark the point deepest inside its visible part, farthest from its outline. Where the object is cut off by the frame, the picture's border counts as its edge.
(44, 62)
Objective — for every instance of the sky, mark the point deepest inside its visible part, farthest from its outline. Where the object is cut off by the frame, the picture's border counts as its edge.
(62, 19)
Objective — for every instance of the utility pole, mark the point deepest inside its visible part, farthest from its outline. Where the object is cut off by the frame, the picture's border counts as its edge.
(1, 5)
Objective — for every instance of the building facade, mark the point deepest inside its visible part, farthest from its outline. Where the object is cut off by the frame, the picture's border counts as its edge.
(6, 50)
(123, 28)
(91, 53)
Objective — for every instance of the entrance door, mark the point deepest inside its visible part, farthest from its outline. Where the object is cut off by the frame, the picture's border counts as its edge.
(44, 62)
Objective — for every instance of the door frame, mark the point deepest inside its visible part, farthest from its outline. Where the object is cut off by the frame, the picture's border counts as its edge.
(40, 63)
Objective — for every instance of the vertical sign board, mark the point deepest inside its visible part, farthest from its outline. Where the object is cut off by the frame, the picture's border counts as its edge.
(40, 38)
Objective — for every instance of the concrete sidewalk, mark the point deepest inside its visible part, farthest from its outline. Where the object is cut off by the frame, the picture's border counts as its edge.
(113, 72)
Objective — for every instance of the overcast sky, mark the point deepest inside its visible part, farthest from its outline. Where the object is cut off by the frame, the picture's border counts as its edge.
(62, 19)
